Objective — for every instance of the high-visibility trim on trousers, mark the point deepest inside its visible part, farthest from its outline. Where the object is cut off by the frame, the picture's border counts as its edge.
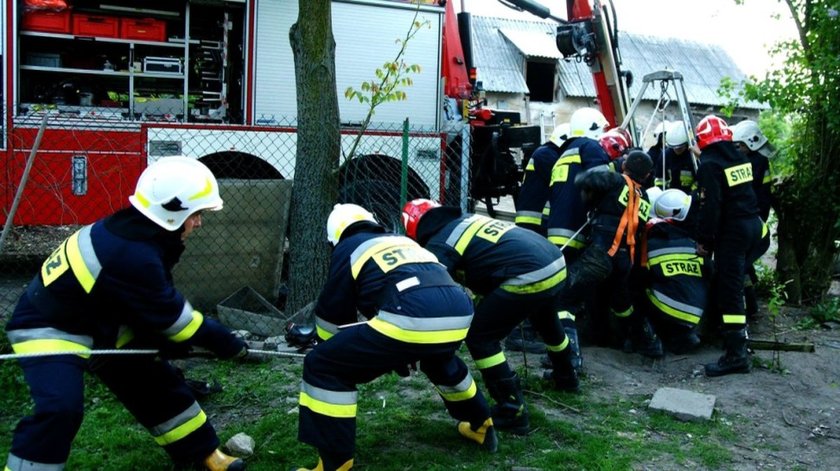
(179, 426)
(558, 348)
(537, 281)
(338, 404)
(15, 463)
(734, 319)
(491, 361)
(423, 330)
(462, 391)
(675, 308)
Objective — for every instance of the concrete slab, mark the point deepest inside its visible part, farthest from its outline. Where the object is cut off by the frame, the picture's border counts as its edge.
(683, 404)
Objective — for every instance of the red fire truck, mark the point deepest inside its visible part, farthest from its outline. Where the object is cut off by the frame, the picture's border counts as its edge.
(117, 84)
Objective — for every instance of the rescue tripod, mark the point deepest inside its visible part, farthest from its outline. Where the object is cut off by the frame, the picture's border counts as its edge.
(666, 78)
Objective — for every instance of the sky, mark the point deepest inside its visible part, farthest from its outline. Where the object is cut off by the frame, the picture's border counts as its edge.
(744, 31)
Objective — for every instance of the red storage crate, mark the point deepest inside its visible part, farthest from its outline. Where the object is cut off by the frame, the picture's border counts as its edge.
(47, 21)
(96, 25)
(144, 29)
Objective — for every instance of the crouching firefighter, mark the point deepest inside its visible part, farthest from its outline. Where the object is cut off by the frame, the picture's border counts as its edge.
(619, 210)
(109, 286)
(677, 286)
(417, 315)
(517, 274)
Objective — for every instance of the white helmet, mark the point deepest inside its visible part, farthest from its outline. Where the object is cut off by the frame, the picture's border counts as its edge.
(660, 129)
(676, 135)
(653, 193)
(342, 216)
(587, 122)
(672, 204)
(560, 134)
(174, 188)
(748, 132)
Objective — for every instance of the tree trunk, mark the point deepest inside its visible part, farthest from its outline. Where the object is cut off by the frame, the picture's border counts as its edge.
(318, 146)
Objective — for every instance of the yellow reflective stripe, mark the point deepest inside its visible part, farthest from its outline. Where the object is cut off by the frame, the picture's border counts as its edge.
(190, 329)
(690, 318)
(467, 236)
(208, 187)
(182, 430)
(491, 361)
(125, 335)
(51, 345)
(558, 348)
(340, 411)
(764, 229)
(625, 313)
(389, 253)
(570, 159)
(675, 257)
(734, 319)
(565, 315)
(528, 220)
(767, 178)
(323, 333)
(77, 263)
(142, 199)
(530, 166)
(738, 174)
(414, 336)
(458, 392)
(539, 286)
(563, 240)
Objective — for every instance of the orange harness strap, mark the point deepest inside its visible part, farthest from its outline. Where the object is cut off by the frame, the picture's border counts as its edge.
(629, 219)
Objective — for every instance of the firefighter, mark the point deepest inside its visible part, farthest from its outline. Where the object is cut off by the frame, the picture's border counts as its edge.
(620, 209)
(729, 227)
(555, 168)
(516, 274)
(751, 142)
(532, 210)
(616, 143)
(110, 286)
(676, 286)
(676, 169)
(416, 314)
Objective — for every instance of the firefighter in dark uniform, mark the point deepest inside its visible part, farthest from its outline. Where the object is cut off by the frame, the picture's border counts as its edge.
(553, 180)
(516, 274)
(657, 150)
(728, 226)
(677, 169)
(751, 142)
(417, 314)
(676, 287)
(620, 210)
(110, 286)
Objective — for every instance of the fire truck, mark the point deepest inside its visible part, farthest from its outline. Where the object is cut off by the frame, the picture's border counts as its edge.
(98, 89)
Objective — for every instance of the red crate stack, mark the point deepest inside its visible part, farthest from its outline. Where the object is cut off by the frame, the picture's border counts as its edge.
(96, 25)
(143, 29)
(47, 21)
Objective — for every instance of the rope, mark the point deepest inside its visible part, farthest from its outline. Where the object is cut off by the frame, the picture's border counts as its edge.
(14, 356)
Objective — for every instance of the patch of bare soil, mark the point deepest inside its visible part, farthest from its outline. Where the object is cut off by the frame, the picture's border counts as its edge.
(783, 420)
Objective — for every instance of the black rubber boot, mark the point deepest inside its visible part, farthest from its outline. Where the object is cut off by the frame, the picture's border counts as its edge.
(524, 338)
(510, 412)
(574, 346)
(640, 337)
(563, 374)
(736, 359)
(681, 343)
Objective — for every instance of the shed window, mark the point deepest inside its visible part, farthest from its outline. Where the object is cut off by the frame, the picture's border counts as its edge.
(540, 79)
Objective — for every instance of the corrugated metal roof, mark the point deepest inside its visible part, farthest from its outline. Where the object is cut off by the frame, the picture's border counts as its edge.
(500, 62)
(533, 43)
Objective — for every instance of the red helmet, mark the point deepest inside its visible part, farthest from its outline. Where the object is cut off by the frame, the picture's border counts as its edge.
(615, 142)
(712, 129)
(413, 211)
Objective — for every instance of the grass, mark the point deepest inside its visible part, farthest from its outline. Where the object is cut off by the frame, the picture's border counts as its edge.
(402, 425)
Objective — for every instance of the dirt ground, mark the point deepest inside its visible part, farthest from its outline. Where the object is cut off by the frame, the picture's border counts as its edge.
(783, 420)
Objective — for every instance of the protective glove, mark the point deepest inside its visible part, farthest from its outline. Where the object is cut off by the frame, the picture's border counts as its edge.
(301, 337)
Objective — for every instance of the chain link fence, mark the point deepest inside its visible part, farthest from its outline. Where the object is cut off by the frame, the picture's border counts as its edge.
(86, 162)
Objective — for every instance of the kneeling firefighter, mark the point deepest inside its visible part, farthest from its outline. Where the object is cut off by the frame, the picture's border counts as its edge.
(517, 274)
